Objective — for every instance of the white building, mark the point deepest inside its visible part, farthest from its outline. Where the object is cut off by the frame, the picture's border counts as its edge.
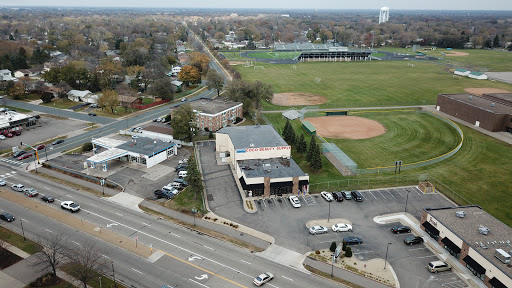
(83, 96)
(13, 121)
(262, 161)
(477, 75)
(384, 15)
(5, 75)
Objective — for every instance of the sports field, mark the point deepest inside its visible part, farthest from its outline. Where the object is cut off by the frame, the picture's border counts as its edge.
(364, 84)
(274, 55)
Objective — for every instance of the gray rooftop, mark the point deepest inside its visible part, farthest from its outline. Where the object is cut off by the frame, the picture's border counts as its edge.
(467, 229)
(274, 168)
(145, 146)
(480, 102)
(507, 97)
(209, 106)
(257, 136)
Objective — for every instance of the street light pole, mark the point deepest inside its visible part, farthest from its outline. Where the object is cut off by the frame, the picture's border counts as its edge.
(22, 231)
(45, 153)
(406, 199)
(386, 260)
(114, 274)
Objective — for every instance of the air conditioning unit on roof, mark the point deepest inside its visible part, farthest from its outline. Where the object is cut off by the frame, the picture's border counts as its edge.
(484, 230)
(460, 214)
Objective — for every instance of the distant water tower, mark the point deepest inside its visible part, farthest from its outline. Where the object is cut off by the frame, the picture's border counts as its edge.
(384, 15)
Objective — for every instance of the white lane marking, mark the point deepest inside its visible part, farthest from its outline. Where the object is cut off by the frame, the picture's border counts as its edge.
(372, 194)
(92, 204)
(119, 214)
(425, 256)
(171, 244)
(47, 188)
(287, 278)
(208, 247)
(24, 220)
(76, 243)
(105, 256)
(13, 172)
(245, 262)
(136, 270)
(176, 235)
(146, 224)
(417, 248)
(363, 252)
(198, 283)
(391, 194)
(48, 230)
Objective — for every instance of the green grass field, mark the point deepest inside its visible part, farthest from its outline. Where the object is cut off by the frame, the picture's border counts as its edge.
(364, 84)
(274, 55)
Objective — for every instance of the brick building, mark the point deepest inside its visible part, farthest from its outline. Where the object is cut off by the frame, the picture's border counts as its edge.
(464, 236)
(214, 114)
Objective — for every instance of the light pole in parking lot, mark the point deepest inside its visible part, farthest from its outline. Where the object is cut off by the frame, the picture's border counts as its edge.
(406, 200)
(22, 231)
(114, 275)
(329, 216)
(386, 260)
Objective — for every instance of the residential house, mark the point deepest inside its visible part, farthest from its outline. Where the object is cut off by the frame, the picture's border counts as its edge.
(5, 75)
(129, 101)
(27, 72)
(83, 96)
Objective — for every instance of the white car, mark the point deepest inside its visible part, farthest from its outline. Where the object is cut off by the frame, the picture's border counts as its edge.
(317, 230)
(341, 227)
(70, 205)
(2, 137)
(184, 161)
(18, 187)
(2, 183)
(263, 278)
(327, 196)
(295, 201)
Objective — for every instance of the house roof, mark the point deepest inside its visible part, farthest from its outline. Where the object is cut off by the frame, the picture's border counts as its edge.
(212, 106)
(126, 98)
(78, 93)
(257, 136)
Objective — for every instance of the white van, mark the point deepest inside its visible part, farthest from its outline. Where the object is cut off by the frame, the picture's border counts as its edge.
(502, 255)
(176, 185)
(182, 174)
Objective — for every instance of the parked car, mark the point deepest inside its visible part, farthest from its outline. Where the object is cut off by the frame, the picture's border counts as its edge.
(295, 201)
(16, 133)
(18, 153)
(161, 194)
(346, 194)
(135, 137)
(70, 205)
(327, 196)
(183, 182)
(7, 217)
(317, 230)
(2, 137)
(30, 192)
(438, 266)
(183, 161)
(58, 141)
(94, 105)
(170, 189)
(337, 196)
(48, 198)
(18, 187)
(357, 196)
(352, 240)
(40, 147)
(411, 240)
(263, 278)
(156, 120)
(181, 166)
(2, 182)
(9, 135)
(341, 227)
(92, 114)
(400, 229)
(25, 156)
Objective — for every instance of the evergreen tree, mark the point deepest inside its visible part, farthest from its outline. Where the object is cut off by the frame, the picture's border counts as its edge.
(311, 150)
(344, 247)
(348, 252)
(194, 177)
(293, 137)
(496, 42)
(316, 162)
(286, 131)
(333, 246)
(302, 145)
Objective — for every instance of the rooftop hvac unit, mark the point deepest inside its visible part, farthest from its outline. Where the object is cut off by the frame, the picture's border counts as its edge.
(484, 230)
(470, 97)
(492, 104)
(460, 214)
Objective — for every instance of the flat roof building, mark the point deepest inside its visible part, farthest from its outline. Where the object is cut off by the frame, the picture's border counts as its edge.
(472, 237)
(214, 114)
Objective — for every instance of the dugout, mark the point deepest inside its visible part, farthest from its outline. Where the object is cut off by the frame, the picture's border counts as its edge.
(309, 127)
(336, 113)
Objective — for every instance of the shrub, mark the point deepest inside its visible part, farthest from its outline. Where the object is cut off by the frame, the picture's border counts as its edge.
(317, 252)
(348, 252)
(210, 135)
(344, 248)
(87, 147)
(333, 246)
(238, 120)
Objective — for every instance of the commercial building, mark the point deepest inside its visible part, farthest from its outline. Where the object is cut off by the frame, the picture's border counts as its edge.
(13, 121)
(262, 160)
(492, 112)
(472, 237)
(213, 114)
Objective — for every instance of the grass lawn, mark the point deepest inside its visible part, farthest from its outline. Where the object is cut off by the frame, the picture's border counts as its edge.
(17, 240)
(146, 101)
(61, 103)
(94, 280)
(17, 109)
(185, 201)
(364, 84)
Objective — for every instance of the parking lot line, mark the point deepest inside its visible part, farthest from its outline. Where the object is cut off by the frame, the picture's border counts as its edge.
(398, 192)
(458, 283)
(381, 194)
(391, 194)
(417, 248)
(428, 256)
(372, 194)
(263, 200)
(363, 252)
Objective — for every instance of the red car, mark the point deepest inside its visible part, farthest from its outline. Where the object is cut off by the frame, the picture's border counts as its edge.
(16, 133)
(9, 135)
(25, 156)
(40, 147)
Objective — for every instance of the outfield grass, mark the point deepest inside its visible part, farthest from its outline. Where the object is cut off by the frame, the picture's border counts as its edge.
(365, 84)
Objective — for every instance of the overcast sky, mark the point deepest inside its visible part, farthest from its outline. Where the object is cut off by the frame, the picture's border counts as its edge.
(287, 4)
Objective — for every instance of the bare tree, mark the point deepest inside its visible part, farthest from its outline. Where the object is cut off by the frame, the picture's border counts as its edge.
(86, 259)
(53, 252)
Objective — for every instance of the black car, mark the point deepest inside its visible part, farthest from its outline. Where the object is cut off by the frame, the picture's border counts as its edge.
(163, 194)
(181, 167)
(18, 153)
(48, 198)
(337, 196)
(7, 217)
(400, 229)
(92, 114)
(352, 240)
(58, 141)
(413, 240)
(356, 195)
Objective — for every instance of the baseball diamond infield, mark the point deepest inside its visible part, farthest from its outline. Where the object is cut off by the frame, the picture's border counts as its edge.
(346, 127)
(294, 99)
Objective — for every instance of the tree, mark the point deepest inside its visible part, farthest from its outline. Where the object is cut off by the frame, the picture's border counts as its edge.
(195, 183)
(348, 252)
(53, 251)
(17, 92)
(46, 97)
(182, 123)
(495, 43)
(200, 61)
(109, 99)
(344, 247)
(75, 74)
(333, 246)
(302, 145)
(311, 150)
(210, 135)
(107, 71)
(52, 76)
(189, 74)
(162, 88)
(87, 146)
(214, 81)
(316, 162)
(293, 137)
(85, 259)
(287, 131)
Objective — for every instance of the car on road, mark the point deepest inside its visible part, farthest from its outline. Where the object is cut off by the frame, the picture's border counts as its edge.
(438, 266)
(295, 201)
(48, 198)
(263, 278)
(18, 153)
(411, 240)
(2, 137)
(30, 192)
(40, 147)
(2, 182)
(18, 187)
(58, 141)
(25, 156)
(92, 114)
(318, 230)
(135, 137)
(94, 106)
(337, 196)
(341, 227)
(397, 229)
(327, 196)
(350, 240)
(7, 217)
(346, 194)
(70, 205)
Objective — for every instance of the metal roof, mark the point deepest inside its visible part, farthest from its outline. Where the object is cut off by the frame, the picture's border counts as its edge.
(257, 136)
(274, 168)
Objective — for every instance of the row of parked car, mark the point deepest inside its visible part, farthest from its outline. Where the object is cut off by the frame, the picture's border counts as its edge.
(172, 189)
(339, 196)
